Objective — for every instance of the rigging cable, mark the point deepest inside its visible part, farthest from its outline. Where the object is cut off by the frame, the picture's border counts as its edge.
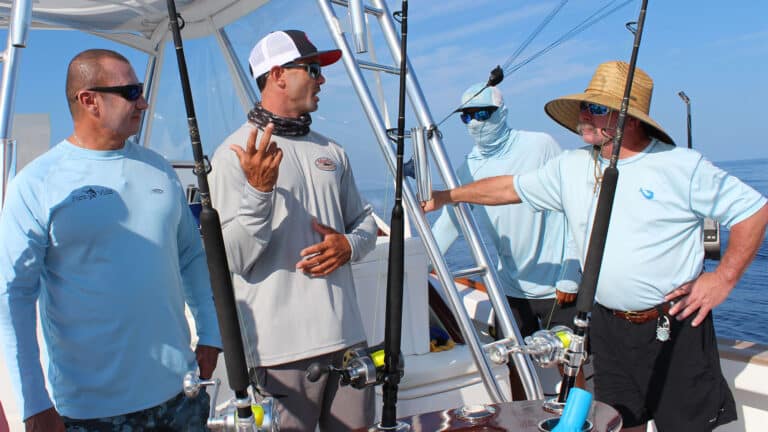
(585, 24)
(533, 34)
(498, 74)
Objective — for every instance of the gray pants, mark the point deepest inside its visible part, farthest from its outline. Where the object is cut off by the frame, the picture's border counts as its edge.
(305, 405)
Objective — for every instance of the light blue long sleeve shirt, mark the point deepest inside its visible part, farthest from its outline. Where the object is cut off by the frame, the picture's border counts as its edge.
(106, 243)
(534, 258)
(654, 241)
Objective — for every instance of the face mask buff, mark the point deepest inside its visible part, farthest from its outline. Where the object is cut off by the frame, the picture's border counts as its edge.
(490, 135)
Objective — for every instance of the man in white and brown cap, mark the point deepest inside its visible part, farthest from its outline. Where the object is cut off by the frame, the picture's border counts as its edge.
(293, 219)
(652, 272)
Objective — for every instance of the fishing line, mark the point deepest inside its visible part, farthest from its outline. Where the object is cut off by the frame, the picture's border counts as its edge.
(533, 34)
(498, 74)
(585, 24)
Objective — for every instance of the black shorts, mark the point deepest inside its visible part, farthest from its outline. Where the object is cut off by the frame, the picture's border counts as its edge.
(537, 314)
(677, 383)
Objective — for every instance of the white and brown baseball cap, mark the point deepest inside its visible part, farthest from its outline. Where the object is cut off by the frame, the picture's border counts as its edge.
(286, 46)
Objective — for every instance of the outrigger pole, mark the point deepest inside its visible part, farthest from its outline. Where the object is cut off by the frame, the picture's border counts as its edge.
(394, 312)
(213, 240)
(597, 240)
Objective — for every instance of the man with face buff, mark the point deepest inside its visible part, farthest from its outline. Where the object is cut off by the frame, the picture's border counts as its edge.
(539, 280)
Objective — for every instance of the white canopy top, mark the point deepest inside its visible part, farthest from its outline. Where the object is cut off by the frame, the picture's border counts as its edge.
(140, 24)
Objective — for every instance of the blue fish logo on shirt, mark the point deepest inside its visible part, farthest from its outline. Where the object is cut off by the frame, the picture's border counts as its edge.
(648, 194)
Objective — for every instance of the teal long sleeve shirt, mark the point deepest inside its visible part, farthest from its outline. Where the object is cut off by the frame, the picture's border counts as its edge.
(105, 242)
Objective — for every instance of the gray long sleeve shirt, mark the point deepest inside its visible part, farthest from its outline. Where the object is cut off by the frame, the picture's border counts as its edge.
(285, 314)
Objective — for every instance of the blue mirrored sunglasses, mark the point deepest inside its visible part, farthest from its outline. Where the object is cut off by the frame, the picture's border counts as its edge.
(130, 92)
(479, 115)
(313, 69)
(594, 109)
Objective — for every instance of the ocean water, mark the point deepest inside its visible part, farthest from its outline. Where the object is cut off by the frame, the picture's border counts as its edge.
(744, 314)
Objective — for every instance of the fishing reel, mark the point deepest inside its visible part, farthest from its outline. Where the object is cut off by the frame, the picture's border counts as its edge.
(361, 368)
(548, 348)
(265, 416)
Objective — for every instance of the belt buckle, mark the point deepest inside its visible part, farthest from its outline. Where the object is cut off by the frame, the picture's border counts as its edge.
(633, 316)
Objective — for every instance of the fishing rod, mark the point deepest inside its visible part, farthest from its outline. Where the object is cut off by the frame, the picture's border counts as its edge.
(576, 353)
(243, 419)
(394, 310)
(687, 102)
(711, 228)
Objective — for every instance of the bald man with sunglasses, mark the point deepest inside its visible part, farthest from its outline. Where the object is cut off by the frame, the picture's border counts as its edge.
(98, 234)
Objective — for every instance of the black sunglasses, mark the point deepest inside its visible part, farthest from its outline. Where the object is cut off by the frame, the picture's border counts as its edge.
(130, 92)
(479, 115)
(313, 69)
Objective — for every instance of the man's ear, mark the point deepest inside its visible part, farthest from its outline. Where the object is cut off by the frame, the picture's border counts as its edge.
(88, 101)
(277, 76)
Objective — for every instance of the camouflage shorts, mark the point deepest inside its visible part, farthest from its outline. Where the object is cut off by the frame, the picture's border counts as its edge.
(180, 414)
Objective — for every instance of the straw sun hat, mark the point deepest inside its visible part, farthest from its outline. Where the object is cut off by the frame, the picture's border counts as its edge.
(607, 89)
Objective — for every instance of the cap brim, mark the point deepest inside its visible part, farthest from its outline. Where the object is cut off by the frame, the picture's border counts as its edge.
(474, 105)
(325, 58)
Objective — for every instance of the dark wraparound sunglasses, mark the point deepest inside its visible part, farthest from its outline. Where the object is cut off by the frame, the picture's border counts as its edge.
(479, 115)
(130, 92)
(313, 69)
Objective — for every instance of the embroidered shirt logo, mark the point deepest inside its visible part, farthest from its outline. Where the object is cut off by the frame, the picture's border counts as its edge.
(648, 194)
(90, 192)
(325, 164)
(157, 190)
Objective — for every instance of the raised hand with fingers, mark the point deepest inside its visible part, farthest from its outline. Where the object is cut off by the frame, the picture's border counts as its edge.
(321, 259)
(260, 164)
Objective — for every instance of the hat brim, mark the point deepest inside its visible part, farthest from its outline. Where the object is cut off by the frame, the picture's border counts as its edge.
(325, 58)
(565, 111)
(470, 105)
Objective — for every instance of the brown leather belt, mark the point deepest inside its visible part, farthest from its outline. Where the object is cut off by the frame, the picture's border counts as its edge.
(643, 316)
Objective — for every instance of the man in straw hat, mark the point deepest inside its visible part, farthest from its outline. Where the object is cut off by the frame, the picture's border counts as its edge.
(292, 220)
(652, 275)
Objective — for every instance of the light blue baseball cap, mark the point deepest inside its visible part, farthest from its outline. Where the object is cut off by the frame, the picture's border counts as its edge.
(490, 96)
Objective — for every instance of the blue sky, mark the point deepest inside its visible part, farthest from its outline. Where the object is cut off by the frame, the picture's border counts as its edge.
(717, 54)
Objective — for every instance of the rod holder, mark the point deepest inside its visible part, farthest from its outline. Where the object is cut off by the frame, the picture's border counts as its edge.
(359, 28)
(21, 13)
(8, 162)
(421, 164)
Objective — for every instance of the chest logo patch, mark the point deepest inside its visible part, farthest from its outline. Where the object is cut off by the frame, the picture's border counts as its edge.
(157, 190)
(648, 194)
(90, 192)
(325, 164)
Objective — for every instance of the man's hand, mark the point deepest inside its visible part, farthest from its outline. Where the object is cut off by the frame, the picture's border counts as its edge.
(439, 199)
(325, 257)
(564, 297)
(45, 421)
(701, 294)
(207, 356)
(260, 165)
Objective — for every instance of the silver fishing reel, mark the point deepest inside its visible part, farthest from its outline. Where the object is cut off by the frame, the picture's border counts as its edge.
(265, 416)
(547, 347)
(360, 368)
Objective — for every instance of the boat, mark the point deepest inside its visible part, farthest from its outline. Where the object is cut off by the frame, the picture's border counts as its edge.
(436, 377)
